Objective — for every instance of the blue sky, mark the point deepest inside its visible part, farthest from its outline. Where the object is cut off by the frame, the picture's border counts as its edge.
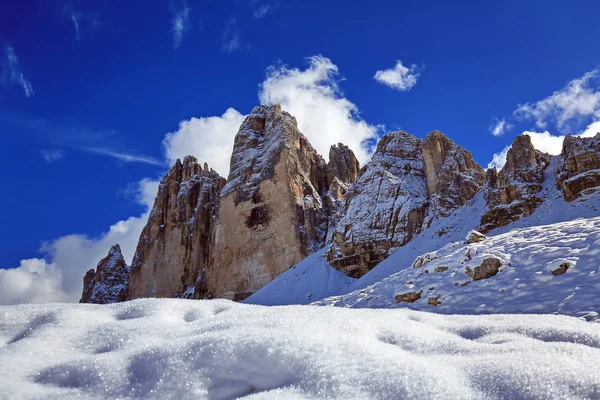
(89, 90)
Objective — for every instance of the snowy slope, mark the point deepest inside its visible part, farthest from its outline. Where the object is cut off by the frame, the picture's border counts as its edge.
(311, 279)
(180, 349)
(524, 281)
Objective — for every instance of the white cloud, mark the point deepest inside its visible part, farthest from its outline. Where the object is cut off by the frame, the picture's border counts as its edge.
(209, 139)
(180, 23)
(400, 77)
(51, 155)
(499, 159)
(12, 73)
(577, 103)
(499, 127)
(59, 277)
(544, 141)
(323, 115)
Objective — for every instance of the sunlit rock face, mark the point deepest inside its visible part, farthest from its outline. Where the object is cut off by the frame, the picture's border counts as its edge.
(172, 253)
(453, 177)
(512, 193)
(579, 170)
(271, 212)
(109, 282)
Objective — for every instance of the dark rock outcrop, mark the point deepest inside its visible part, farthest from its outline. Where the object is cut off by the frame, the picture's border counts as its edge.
(109, 282)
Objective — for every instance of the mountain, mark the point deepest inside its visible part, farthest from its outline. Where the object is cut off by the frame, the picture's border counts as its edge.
(288, 227)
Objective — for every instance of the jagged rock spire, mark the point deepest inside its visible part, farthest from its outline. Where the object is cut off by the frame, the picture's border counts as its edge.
(109, 282)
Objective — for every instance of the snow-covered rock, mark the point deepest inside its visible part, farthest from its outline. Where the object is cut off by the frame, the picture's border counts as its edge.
(512, 193)
(217, 349)
(579, 170)
(109, 283)
(551, 269)
(407, 183)
(172, 253)
(384, 208)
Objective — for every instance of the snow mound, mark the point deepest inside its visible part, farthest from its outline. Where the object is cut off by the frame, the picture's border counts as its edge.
(544, 269)
(178, 349)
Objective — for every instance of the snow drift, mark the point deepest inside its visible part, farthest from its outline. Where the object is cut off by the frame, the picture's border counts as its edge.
(217, 349)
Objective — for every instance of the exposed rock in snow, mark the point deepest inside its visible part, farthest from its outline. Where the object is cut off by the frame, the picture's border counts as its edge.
(579, 171)
(384, 209)
(512, 193)
(543, 269)
(182, 349)
(453, 177)
(271, 213)
(109, 282)
(475, 237)
(172, 252)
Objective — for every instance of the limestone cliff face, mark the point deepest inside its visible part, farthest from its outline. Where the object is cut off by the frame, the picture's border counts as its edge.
(342, 170)
(579, 170)
(453, 177)
(384, 209)
(512, 193)
(172, 253)
(271, 212)
(342, 165)
(109, 282)
(406, 184)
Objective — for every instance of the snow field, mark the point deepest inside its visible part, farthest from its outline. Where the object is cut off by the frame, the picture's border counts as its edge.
(178, 349)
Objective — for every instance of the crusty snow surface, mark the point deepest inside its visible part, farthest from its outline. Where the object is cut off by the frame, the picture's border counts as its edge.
(217, 349)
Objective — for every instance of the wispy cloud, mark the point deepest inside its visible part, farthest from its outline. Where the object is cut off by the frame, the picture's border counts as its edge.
(261, 8)
(77, 137)
(51, 155)
(82, 21)
(125, 157)
(12, 73)
(400, 77)
(231, 38)
(499, 127)
(180, 23)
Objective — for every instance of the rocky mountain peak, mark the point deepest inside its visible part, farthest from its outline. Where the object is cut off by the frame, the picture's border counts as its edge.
(511, 193)
(173, 248)
(453, 177)
(272, 212)
(384, 208)
(109, 282)
(342, 164)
